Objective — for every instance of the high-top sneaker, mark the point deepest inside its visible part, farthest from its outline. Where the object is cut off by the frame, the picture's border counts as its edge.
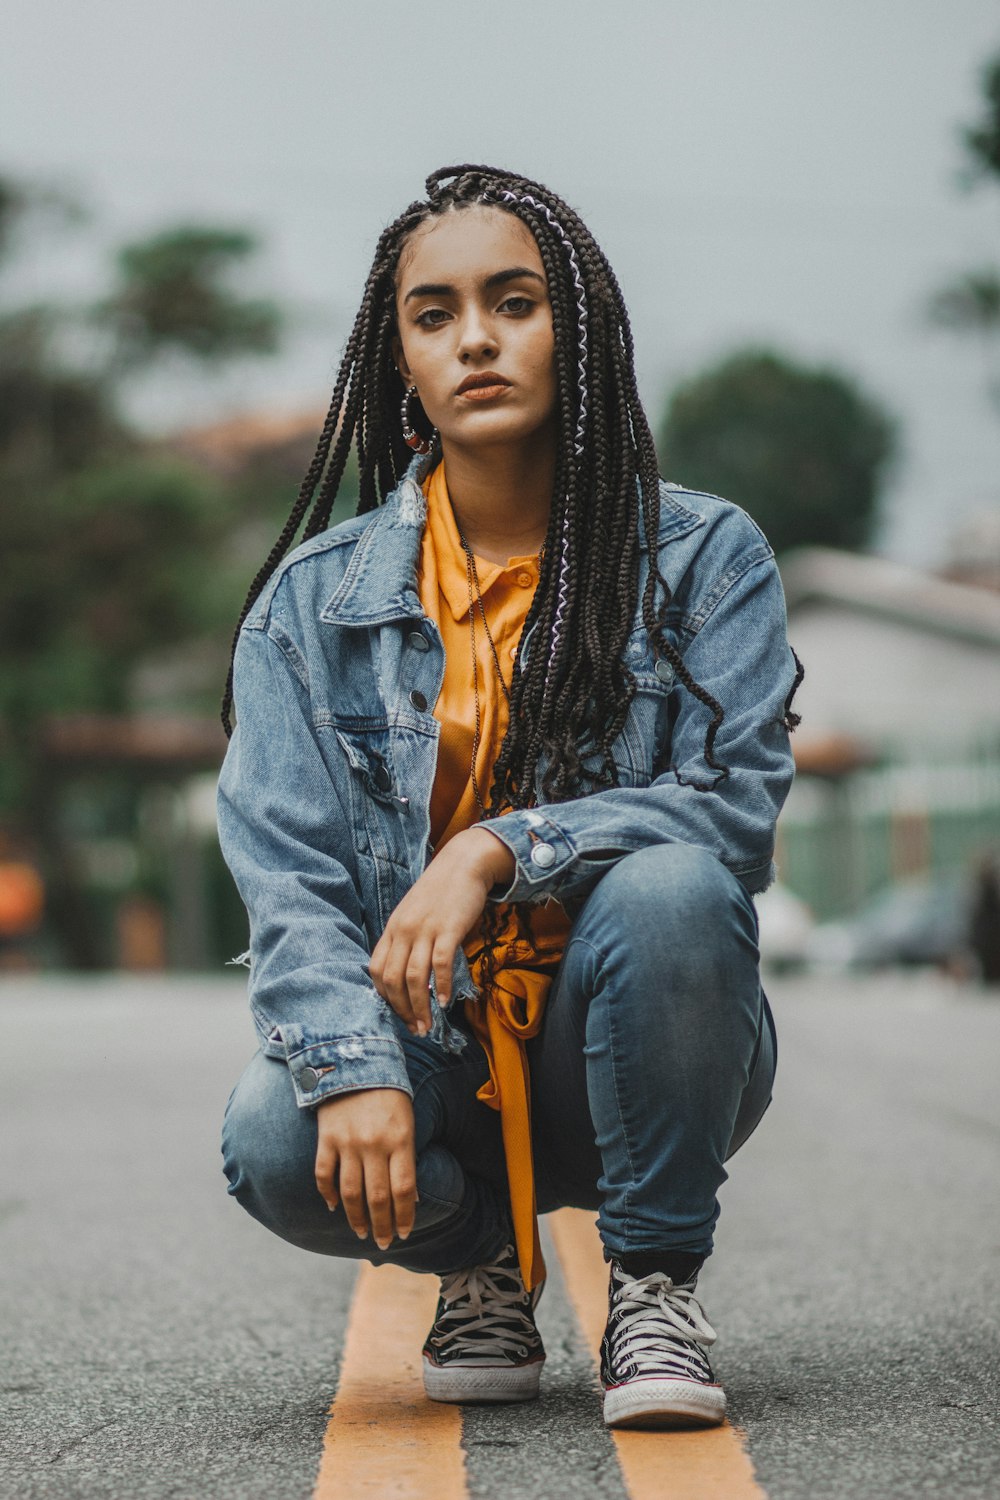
(484, 1345)
(654, 1368)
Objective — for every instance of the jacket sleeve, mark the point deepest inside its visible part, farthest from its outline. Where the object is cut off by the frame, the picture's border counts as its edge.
(284, 835)
(740, 654)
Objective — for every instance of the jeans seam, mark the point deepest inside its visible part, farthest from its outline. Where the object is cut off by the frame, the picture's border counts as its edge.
(601, 963)
(417, 1090)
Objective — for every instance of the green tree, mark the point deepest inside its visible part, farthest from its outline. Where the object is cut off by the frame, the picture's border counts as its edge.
(112, 550)
(805, 451)
(171, 294)
(971, 302)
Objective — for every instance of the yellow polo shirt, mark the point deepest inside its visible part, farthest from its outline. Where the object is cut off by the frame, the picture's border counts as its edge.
(524, 969)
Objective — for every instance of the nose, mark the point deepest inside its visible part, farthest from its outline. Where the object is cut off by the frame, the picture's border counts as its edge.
(477, 340)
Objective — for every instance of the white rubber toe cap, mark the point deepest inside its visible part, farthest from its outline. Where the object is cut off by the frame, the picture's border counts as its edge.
(464, 1383)
(664, 1403)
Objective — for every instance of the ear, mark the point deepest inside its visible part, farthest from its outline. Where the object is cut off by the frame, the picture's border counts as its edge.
(400, 358)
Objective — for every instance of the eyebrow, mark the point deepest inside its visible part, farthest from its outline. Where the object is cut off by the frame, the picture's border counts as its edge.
(499, 278)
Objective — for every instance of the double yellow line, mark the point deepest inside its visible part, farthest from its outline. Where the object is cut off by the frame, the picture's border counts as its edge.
(386, 1441)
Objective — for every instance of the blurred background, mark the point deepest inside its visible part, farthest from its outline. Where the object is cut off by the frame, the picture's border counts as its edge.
(802, 203)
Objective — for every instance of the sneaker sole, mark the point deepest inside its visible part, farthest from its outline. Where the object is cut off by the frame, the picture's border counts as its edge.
(472, 1383)
(664, 1403)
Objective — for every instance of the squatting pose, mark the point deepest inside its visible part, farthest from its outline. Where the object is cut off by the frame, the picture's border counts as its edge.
(510, 745)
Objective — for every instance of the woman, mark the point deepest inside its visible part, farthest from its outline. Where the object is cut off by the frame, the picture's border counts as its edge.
(510, 748)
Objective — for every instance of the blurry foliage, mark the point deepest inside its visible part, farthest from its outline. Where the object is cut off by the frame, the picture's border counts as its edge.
(115, 549)
(971, 303)
(53, 419)
(804, 451)
(171, 295)
(27, 207)
(104, 563)
(111, 549)
(982, 141)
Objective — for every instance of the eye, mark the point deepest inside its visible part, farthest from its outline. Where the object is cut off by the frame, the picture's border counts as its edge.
(431, 317)
(517, 304)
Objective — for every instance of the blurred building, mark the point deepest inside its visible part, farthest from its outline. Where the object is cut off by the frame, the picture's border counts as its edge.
(899, 748)
(974, 555)
(282, 443)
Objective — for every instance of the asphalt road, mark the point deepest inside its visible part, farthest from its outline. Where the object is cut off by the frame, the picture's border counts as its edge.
(157, 1343)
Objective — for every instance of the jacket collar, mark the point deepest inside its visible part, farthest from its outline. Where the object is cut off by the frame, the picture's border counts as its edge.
(380, 582)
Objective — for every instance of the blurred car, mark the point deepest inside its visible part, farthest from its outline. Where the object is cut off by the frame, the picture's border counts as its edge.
(922, 920)
(785, 925)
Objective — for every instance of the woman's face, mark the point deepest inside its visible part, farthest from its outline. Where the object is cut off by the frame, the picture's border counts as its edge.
(472, 302)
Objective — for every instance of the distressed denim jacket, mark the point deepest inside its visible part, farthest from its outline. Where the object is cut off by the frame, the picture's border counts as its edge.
(324, 794)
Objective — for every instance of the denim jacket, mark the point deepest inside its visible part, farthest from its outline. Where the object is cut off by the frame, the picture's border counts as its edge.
(324, 794)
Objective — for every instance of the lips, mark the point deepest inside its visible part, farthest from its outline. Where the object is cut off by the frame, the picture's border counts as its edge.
(487, 380)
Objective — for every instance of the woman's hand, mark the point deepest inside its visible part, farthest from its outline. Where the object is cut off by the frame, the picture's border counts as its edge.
(365, 1159)
(432, 919)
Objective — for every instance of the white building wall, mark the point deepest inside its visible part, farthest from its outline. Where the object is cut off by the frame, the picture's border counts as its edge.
(896, 688)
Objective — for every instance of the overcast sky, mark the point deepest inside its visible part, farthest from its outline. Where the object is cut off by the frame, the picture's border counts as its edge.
(769, 170)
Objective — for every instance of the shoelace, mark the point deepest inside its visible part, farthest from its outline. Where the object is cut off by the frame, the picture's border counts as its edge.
(645, 1309)
(476, 1303)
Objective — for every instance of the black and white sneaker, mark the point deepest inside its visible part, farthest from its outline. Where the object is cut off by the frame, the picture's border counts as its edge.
(484, 1345)
(654, 1368)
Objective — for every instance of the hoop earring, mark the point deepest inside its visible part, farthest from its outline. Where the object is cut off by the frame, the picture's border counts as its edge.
(411, 437)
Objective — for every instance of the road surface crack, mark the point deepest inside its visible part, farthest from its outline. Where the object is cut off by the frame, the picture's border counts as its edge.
(75, 1442)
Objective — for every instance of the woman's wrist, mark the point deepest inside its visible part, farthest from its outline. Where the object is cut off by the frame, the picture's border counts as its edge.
(493, 858)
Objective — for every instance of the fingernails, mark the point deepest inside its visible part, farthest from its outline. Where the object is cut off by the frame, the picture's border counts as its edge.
(362, 1234)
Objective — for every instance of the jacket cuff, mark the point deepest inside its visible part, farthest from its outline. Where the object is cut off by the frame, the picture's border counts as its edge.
(542, 851)
(323, 1069)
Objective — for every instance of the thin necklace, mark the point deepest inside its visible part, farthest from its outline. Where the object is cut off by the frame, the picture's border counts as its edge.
(472, 573)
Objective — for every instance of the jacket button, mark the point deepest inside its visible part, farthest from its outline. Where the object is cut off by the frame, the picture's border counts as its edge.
(543, 855)
(418, 641)
(525, 580)
(308, 1079)
(383, 776)
(664, 671)
(418, 700)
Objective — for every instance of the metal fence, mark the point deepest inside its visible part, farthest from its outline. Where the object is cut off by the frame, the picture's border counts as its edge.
(839, 840)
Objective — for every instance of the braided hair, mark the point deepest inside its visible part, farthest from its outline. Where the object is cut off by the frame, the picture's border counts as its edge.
(570, 702)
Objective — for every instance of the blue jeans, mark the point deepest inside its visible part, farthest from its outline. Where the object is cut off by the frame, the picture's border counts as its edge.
(654, 1063)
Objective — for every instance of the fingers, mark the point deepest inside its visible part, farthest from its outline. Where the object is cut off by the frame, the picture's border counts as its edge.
(400, 969)
(423, 933)
(326, 1173)
(386, 965)
(379, 1200)
(403, 1188)
(366, 1162)
(444, 957)
(352, 1194)
(418, 969)
(379, 1195)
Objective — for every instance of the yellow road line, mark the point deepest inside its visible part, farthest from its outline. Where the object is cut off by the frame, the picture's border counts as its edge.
(711, 1464)
(385, 1440)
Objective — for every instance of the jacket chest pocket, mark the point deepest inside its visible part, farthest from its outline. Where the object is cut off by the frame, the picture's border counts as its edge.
(642, 750)
(376, 806)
